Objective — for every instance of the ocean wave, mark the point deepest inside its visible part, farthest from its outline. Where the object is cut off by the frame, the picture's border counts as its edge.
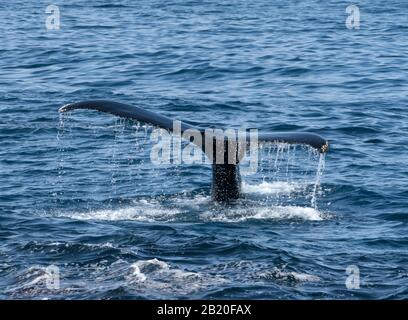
(159, 275)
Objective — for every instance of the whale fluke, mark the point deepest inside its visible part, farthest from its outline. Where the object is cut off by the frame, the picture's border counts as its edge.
(126, 111)
(142, 115)
(226, 183)
(311, 139)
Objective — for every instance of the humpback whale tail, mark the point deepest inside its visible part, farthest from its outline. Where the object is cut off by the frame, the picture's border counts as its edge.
(226, 182)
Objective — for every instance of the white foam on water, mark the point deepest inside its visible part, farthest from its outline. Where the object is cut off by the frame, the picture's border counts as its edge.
(232, 214)
(36, 275)
(288, 276)
(182, 208)
(34, 281)
(304, 277)
(137, 275)
(264, 213)
(146, 210)
(267, 188)
(154, 267)
(142, 210)
(159, 276)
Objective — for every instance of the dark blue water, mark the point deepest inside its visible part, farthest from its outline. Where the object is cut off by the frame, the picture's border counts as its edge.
(80, 192)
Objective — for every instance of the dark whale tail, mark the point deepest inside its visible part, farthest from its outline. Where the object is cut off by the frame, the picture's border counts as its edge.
(126, 111)
(226, 177)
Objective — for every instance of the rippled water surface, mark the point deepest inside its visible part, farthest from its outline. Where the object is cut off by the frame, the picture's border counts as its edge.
(79, 191)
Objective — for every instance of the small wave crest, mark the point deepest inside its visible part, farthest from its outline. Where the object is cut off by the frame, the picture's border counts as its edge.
(158, 275)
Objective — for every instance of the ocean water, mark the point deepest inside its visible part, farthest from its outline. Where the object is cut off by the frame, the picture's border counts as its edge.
(81, 202)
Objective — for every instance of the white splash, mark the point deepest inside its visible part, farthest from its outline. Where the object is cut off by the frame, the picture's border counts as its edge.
(182, 208)
(142, 210)
(267, 188)
(264, 213)
(137, 275)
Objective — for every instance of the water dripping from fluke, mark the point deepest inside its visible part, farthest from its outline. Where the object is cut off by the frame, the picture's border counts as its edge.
(226, 179)
(319, 174)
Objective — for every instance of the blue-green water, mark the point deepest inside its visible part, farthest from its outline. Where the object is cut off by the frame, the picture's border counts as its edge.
(81, 193)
